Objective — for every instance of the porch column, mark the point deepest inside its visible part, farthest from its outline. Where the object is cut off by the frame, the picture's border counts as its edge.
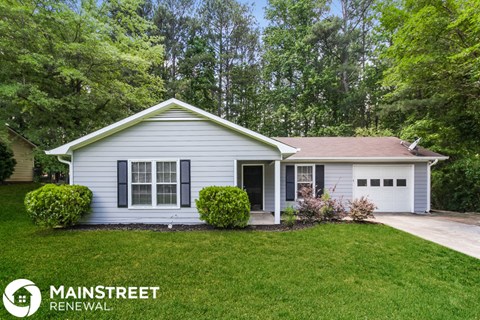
(277, 191)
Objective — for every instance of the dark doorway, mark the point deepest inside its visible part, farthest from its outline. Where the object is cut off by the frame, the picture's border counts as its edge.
(253, 184)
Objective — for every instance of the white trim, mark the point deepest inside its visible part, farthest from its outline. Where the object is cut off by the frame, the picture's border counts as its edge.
(313, 177)
(71, 173)
(365, 159)
(277, 192)
(235, 173)
(175, 119)
(412, 176)
(284, 149)
(153, 183)
(263, 179)
(429, 184)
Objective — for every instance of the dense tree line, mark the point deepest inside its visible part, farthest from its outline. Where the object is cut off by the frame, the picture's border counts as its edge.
(370, 67)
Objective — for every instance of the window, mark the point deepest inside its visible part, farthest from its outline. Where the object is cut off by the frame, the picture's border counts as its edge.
(401, 182)
(304, 177)
(388, 182)
(166, 183)
(141, 183)
(375, 182)
(361, 182)
(154, 183)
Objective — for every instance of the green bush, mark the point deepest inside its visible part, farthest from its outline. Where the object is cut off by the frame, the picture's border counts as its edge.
(7, 162)
(290, 216)
(53, 205)
(224, 207)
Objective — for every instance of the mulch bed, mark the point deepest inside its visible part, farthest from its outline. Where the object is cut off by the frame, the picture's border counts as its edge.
(205, 227)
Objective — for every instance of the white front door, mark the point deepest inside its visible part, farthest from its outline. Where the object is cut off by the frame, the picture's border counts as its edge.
(390, 187)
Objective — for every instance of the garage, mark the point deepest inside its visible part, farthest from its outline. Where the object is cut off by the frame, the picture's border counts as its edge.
(390, 187)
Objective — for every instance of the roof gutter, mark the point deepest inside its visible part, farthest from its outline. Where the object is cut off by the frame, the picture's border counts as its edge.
(366, 159)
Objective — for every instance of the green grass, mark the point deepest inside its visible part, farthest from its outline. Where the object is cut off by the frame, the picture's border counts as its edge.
(347, 271)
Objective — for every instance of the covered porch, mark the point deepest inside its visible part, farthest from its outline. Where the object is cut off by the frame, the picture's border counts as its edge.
(261, 181)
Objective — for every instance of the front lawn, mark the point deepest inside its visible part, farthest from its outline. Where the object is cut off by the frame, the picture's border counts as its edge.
(332, 271)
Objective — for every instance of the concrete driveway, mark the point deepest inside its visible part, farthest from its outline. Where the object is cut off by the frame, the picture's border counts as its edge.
(455, 232)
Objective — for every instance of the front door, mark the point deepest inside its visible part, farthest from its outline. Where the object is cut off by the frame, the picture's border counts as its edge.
(253, 184)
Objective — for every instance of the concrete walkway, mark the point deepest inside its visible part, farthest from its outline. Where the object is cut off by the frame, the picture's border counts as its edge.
(458, 236)
(258, 218)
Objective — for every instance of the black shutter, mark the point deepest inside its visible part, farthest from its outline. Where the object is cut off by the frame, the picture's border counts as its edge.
(122, 183)
(185, 188)
(290, 183)
(319, 179)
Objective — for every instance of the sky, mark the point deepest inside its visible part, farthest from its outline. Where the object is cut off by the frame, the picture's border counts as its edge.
(259, 9)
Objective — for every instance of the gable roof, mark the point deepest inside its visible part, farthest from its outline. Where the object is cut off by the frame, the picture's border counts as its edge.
(14, 132)
(67, 148)
(356, 148)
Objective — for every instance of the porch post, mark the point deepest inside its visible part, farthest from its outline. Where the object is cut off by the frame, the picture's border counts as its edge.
(277, 191)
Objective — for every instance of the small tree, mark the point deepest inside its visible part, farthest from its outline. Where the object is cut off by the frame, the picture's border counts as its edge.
(7, 162)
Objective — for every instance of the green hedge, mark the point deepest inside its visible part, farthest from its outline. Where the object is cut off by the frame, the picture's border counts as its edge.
(52, 205)
(224, 207)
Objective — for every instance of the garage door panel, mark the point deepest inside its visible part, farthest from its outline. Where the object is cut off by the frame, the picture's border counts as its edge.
(394, 198)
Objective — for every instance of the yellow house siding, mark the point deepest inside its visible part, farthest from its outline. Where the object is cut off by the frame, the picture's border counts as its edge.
(23, 154)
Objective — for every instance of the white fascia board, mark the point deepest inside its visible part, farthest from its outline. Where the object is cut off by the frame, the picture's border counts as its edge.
(364, 159)
(142, 115)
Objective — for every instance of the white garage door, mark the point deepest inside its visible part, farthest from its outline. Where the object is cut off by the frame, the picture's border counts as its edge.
(390, 187)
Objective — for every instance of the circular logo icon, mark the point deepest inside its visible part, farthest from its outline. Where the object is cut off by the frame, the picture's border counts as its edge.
(9, 298)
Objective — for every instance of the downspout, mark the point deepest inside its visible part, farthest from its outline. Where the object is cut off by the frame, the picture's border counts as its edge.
(429, 194)
(70, 168)
(433, 163)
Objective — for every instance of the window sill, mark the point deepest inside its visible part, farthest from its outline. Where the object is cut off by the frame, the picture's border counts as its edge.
(153, 208)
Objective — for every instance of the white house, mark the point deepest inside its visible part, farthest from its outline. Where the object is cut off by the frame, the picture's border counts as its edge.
(150, 167)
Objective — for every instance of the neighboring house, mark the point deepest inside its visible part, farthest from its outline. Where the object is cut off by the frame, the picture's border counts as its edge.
(23, 152)
(150, 167)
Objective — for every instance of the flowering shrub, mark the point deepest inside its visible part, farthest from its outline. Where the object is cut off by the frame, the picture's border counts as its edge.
(361, 208)
(312, 208)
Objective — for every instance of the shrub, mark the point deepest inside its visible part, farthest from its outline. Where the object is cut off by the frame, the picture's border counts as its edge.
(312, 208)
(361, 209)
(7, 162)
(290, 216)
(332, 209)
(53, 205)
(224, 207)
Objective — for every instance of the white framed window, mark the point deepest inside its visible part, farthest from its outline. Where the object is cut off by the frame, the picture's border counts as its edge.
(304, 177)
(154, 184)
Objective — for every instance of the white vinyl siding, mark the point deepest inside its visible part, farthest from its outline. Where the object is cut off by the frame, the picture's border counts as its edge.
(211, 148)
(421, 187)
